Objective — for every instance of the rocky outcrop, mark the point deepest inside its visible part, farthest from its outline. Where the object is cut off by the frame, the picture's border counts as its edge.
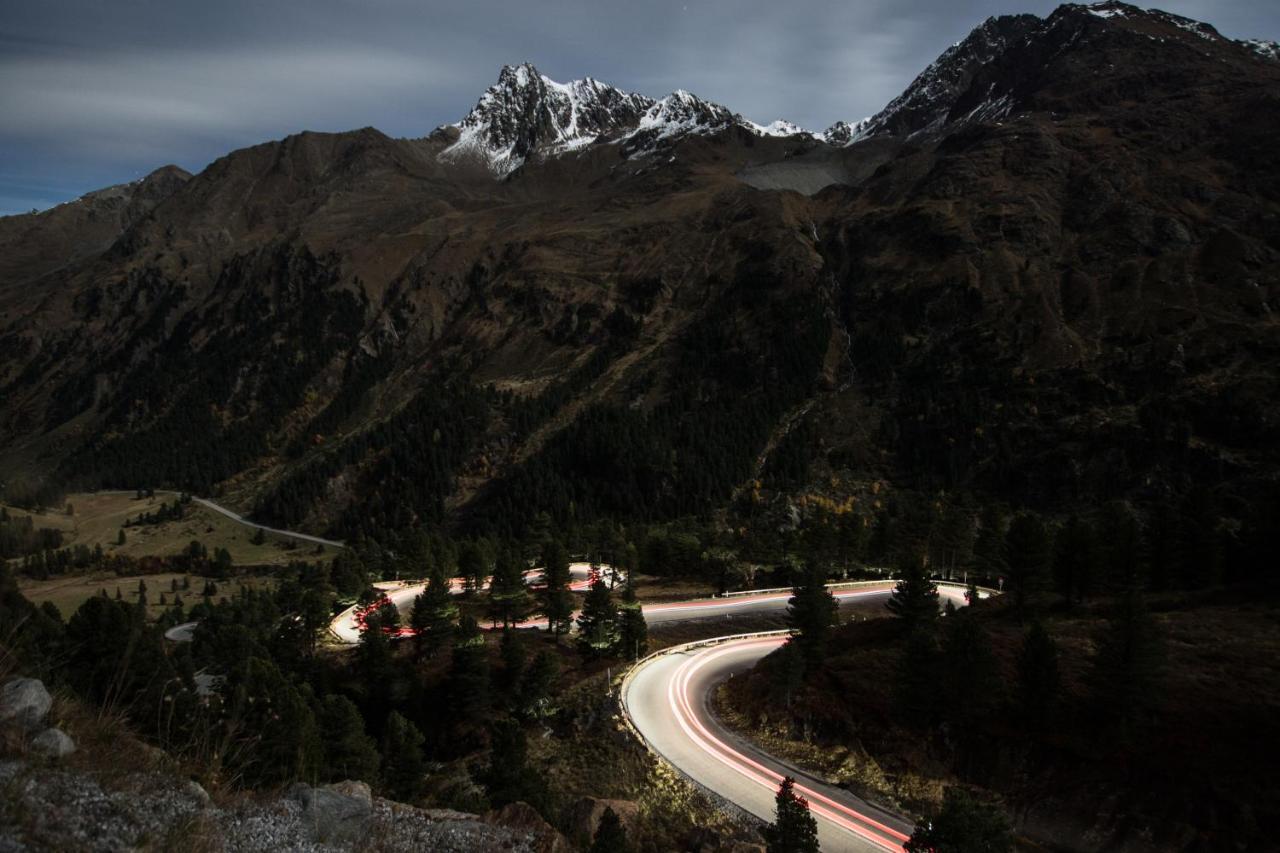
(530, 826)
(335, 813)
(584, 816)
(61, 809)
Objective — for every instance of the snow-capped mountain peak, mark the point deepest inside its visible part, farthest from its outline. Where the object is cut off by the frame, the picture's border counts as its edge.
(527, 113)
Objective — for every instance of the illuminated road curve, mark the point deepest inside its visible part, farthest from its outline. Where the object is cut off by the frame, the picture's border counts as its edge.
(667, 697)
(346, 625)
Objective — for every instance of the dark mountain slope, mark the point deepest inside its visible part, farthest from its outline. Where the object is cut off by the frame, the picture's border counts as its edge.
(1077, 300)
(1048, 275)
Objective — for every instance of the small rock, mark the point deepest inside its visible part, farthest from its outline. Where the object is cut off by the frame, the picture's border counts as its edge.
(25, 701)
(53, 743)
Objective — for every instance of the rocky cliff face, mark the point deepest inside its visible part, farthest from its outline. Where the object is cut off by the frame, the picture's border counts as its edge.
(1046, 271)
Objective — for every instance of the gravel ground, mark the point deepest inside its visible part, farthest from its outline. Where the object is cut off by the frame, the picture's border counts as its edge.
(45, 808)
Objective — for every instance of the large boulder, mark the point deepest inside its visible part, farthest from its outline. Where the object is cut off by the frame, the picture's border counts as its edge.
(584, 816)
(53, 743)
(340, 812)
(25, 702)
(525, 820)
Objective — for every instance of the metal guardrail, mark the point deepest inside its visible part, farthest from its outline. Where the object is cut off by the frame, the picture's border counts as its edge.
(781, 589)
(716, 797)
(848, 585)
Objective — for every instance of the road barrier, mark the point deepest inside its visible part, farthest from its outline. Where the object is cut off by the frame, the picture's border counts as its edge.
(721, 802)
(849, 585)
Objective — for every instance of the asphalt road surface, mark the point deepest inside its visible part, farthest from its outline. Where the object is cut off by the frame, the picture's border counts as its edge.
(242, 520)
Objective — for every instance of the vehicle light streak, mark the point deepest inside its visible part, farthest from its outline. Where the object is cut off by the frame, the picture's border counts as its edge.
(745, 600)
(839, 814)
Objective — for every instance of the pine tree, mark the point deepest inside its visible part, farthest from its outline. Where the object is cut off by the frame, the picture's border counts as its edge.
(468, 681)
(1028, 550)
(915, 597)
(598, 623)
(506, 680)
(121, 538)
(557, 602)
(633, 640)
(473, 568)
(811, 614)
(970, 674)
(280, 741)
(962, 825)
(508, 777)
(793, 830)
(435, 612)
(916, 679)
(610, 837)
(953, 539)
(508, 595)
(259, 536)
(1075, 560)
(537, 685)
(989, 546)
(142, 592)
(403, 767)
(388, 616)
(1038, 677)
(349, 752)
(376, 666)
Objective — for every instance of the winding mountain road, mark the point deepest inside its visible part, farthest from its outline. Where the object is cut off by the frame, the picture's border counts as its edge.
(667, 700)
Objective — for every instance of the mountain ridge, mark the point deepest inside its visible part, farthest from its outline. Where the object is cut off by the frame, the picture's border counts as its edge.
(353, 332)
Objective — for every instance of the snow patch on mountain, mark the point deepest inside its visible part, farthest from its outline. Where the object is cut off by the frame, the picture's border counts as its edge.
(1265, 49)
(682, 112)
(781, 127)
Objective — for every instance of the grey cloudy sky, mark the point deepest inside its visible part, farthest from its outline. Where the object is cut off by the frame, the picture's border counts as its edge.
(96, 92)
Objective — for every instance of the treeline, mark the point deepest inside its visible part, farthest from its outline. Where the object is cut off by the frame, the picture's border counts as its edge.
(78, 559)
(19, 536)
